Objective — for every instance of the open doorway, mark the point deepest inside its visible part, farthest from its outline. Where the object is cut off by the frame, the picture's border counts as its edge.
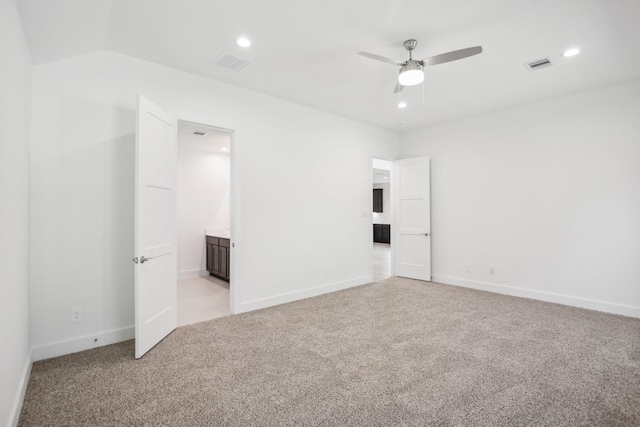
(203, 222)
(382, 219)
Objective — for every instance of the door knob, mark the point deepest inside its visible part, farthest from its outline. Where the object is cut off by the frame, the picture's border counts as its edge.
(143, 259)
(426, 234)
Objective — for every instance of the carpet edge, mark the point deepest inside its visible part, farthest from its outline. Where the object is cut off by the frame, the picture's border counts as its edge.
(287, 297)
(86, 342)
(604, 306)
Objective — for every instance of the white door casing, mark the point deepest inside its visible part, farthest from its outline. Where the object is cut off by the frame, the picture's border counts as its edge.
(155, 226)
(412, 210)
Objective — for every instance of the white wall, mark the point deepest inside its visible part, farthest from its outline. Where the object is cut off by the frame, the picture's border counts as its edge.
(289, 230)
(383, 217)
(15, 97)
(548, 194)
(203, 203)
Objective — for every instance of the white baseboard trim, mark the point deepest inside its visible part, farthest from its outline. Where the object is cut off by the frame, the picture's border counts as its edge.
(301, 294)
(86, 342)
(188, 274)
(14, 416)
(607, 307)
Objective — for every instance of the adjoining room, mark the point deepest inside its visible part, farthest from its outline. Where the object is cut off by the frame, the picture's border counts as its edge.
(203, 222)
(381, 178)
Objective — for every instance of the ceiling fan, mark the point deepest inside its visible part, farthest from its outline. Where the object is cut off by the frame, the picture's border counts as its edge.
(411, 70)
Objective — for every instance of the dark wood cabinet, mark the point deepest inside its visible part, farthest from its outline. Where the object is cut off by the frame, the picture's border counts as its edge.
(377, 233)
(382, 233)
(218, 257)
(386, 233)
(215, 260)
(377, 199)
(223, 271)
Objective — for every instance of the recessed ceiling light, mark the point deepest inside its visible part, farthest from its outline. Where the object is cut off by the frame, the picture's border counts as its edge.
(386, 177)
(571, 52)
(243, 42)
(402, 104)
(225, 149)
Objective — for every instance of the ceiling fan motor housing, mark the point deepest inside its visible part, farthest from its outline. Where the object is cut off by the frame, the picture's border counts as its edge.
(411, 73)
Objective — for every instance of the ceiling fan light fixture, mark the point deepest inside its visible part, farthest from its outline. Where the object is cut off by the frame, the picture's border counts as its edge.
(411, 73)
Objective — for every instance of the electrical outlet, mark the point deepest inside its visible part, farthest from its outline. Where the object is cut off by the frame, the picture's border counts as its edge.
(492, 271)
(467, 268)
(76, 314)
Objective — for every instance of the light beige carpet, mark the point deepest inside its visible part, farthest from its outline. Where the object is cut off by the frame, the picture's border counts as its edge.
(395, 353)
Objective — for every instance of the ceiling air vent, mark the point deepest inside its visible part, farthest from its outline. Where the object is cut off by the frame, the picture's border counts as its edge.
(232, 62)
(540, 63)
(195, 132)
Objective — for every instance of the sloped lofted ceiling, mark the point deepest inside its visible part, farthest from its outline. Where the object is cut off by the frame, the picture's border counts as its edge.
(305, 51)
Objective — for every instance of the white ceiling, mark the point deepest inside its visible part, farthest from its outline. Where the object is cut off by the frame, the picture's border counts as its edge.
(305, 50)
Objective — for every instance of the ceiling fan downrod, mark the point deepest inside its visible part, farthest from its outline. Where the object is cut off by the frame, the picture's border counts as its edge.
(410, 45)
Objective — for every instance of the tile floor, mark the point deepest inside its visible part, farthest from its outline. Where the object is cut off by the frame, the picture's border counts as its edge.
(381, 261)
(202, 298)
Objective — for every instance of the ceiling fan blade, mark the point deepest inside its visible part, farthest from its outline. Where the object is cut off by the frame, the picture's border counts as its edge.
(381, 58)
(452, 56)
(398, 88)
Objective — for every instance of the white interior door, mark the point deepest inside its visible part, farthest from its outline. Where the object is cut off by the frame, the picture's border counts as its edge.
(412, 209)
(155, 226)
